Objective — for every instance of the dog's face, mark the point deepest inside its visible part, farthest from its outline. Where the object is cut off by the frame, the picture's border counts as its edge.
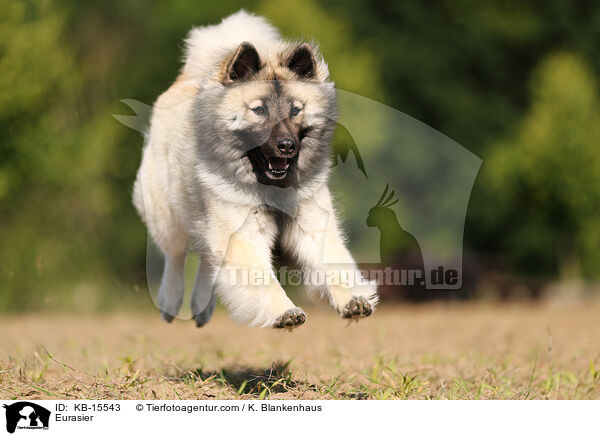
(279, 115)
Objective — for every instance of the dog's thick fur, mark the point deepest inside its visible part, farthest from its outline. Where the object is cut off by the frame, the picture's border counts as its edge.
(245, 100)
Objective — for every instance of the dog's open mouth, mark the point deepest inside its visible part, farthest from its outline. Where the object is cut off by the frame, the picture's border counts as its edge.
(275, 168)
(278, 167)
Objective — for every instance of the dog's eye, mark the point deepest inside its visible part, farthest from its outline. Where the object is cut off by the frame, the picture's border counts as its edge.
(295, 111)
(259, 110)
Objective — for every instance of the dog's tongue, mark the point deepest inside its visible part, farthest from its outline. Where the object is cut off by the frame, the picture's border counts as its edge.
(278, 163)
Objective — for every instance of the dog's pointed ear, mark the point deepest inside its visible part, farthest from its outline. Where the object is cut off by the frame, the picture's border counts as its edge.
(302, 62)
(243, 64)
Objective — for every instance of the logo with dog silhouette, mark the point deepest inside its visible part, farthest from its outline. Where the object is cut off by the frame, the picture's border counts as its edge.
(26, 415)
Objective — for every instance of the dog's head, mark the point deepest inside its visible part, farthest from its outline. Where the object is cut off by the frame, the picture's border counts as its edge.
(276, 111)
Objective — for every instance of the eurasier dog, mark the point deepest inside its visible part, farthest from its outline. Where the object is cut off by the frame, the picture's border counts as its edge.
(235, 169)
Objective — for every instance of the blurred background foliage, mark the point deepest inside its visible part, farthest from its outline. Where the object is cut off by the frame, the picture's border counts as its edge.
(513, 82)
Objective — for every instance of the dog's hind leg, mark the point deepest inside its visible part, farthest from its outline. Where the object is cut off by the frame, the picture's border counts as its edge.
(206, 314)
(204, 298)
(170, 293)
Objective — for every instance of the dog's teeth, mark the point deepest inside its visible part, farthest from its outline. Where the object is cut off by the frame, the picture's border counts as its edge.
(286, 166)
(270, 166)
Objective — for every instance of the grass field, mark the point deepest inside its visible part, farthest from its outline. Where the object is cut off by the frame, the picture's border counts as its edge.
(424, 352)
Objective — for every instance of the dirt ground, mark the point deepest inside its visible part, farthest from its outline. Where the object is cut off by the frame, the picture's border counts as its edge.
(464, 351)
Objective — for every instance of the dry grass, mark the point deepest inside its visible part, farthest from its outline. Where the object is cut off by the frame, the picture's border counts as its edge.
(433, 351)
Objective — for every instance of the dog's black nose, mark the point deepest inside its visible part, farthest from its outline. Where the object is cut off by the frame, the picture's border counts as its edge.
(286, 146)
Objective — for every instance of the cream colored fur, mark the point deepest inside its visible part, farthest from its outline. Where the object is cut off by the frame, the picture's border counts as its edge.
(187, 206)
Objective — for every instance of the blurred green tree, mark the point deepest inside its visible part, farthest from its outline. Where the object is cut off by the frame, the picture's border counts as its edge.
(545, 180)
(39, 79)
(69, 237)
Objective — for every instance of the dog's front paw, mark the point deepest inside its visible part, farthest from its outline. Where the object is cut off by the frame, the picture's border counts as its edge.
(357, 308)
(291, 319)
